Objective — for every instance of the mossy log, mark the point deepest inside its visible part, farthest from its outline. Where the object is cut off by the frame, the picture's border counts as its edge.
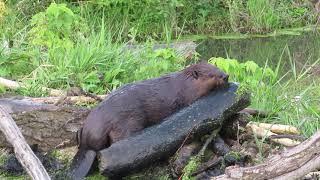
(49, 126)
(163, 140)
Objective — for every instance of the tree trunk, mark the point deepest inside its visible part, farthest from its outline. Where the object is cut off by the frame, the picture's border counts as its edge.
(22, 150)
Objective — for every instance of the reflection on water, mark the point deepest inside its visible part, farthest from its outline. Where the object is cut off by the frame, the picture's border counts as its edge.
(301, 49)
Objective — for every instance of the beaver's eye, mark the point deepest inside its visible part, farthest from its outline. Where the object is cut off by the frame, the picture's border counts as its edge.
(195, 74)
(225, 77)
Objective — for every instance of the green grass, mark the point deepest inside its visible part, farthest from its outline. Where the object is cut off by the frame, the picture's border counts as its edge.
(294, 102)
(162, 20)
(262, 15)
(294, 97)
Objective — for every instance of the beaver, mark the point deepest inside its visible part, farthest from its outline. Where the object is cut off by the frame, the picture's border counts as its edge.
(138, 105)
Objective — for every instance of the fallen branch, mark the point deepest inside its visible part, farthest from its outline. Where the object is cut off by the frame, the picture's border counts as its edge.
(15, 85)
(71, 99)
(292, 163)
(22, 150)
(9, 84)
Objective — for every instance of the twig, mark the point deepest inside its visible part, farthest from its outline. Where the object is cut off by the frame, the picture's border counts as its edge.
(204, 147)
(208, 165)
(185, 139)
(290, 136)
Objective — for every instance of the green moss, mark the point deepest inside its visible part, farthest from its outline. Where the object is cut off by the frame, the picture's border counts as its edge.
(9, 177)
(96, 176)
(192, 165)
(234, 154)
(4, 175)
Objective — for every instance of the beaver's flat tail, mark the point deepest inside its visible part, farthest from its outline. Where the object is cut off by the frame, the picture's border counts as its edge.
(81, 164)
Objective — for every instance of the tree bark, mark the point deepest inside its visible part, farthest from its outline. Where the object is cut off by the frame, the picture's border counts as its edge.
(49, 126)
(290, 164)
(22, 150)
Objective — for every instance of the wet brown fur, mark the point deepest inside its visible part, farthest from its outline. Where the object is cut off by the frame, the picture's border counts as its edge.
(136, 106)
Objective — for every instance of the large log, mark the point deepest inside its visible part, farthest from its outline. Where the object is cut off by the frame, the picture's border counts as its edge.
(48, 126)
(22, 150)
(163, 140)
(290, 164)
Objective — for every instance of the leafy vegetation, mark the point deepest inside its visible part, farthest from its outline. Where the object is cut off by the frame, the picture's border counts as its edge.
(246, 73)
(294, 100)
(54, 27)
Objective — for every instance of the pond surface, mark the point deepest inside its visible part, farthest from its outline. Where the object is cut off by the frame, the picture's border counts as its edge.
(301, 49)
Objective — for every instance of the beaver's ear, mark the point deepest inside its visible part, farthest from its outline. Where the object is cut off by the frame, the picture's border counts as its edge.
(195, 74)
(203, 61)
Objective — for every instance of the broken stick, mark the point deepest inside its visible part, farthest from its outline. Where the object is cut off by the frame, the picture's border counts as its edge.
(266, 133)
(277, 128)
(22, 150)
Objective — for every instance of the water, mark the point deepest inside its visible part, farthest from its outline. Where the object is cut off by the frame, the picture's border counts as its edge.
(301, 49)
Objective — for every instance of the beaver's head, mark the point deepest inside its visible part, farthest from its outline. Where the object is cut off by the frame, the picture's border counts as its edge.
(207, 77)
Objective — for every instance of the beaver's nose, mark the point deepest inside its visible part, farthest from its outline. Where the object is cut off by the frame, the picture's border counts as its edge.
(226, 77)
